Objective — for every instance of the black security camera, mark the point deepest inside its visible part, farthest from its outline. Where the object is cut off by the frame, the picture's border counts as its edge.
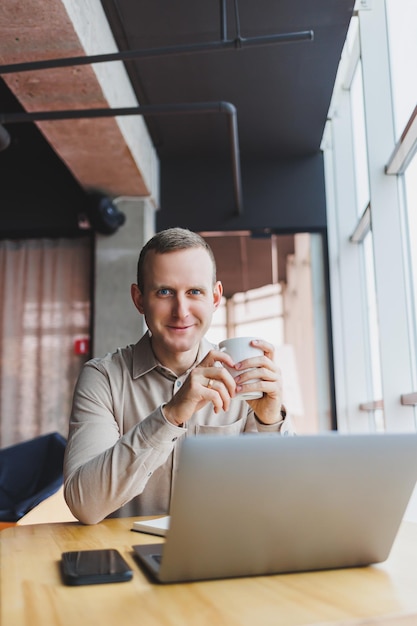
(103, 214)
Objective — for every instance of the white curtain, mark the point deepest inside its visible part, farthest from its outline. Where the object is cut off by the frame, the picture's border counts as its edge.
(45, 295)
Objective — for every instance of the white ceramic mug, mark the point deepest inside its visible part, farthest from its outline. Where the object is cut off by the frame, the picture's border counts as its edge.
(239, 348)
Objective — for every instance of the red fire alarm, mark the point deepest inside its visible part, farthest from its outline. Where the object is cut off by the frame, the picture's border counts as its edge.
(82, 345)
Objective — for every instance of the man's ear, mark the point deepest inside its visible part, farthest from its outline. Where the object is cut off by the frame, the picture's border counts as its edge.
(217, 294)
(137, 297)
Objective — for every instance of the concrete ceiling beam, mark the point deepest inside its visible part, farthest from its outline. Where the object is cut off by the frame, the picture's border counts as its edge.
(115, 155)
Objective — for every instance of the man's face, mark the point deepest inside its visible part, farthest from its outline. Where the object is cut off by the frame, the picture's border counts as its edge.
(178, 299)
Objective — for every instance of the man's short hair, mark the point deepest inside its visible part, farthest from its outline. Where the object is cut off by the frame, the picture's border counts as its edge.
(170, 240)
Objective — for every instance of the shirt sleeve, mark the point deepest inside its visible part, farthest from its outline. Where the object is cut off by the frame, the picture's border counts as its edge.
(104, 469)
(285, 426)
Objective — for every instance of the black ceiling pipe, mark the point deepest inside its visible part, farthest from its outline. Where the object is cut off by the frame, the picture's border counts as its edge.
(126, 55)
(150, 109)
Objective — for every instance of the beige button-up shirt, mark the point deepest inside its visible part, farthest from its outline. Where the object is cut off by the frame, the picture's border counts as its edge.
(122, 453)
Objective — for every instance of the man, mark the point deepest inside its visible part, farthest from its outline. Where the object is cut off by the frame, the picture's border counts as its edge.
(132, 408)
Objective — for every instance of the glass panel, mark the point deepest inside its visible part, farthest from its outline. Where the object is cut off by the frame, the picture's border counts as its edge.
(255, 312)
(410, 178)
(373, 329)
(402, 34)
(291, 314)
(359, 142)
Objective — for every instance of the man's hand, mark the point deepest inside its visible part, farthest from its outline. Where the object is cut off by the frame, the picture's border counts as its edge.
(207, 382)
(266, 377)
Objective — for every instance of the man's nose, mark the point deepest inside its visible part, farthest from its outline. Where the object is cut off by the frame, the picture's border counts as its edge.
(181, 306)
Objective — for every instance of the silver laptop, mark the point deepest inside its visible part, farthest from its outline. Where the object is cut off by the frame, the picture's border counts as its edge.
(262, 504)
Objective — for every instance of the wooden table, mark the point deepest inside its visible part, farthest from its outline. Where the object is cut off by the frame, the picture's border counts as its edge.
(32, 591)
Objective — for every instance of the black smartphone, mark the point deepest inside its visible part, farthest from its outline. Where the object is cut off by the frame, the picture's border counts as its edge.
(93, 567)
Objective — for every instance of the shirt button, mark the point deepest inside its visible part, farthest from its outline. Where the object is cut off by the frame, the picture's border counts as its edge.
(178, 383)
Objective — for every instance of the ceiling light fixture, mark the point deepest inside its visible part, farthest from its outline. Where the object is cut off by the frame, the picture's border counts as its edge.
(4, 138)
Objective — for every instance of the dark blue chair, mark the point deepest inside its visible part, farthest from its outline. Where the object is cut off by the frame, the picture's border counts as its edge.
(30, 472)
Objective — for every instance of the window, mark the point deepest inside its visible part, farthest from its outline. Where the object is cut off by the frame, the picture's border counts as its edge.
(402, 29)
(363, 236)
(410, 180)
(374, 366)
(292, 315)
(369, 144)
(359, 141)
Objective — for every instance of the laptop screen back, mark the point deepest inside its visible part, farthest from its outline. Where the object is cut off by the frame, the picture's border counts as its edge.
(262, 504)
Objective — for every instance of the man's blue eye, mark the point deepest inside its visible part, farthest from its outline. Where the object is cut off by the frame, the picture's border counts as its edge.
(195, 292)
(164, 292)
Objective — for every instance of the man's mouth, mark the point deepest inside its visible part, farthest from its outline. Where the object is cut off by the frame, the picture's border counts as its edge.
(180, 328)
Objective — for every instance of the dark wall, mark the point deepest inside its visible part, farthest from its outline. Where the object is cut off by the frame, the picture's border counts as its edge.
(286, 196)
(39, 196)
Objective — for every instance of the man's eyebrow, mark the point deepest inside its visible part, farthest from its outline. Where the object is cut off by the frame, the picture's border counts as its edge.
(199, 287)
(157, 286)
(161, 286)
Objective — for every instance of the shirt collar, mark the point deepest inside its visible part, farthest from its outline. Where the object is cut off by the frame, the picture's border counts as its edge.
(144, 359)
